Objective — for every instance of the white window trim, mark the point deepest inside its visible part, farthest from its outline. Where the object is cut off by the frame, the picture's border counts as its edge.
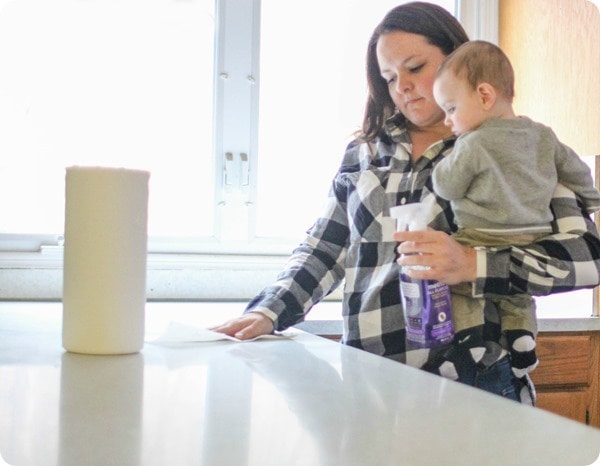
(479, 18)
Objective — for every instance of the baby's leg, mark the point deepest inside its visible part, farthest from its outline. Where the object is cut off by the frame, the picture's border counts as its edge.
(468, 346)
(467, 313)
(519, 325)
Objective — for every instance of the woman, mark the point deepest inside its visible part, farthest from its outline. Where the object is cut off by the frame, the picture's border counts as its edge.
(390, 164)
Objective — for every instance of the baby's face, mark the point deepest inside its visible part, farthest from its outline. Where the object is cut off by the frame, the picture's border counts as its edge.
(461, 104)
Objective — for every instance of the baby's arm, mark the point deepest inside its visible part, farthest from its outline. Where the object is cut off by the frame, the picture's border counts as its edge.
(575, 175)
(453, 175)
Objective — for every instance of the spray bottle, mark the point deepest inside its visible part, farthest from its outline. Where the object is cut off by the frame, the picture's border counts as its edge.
(427, 305)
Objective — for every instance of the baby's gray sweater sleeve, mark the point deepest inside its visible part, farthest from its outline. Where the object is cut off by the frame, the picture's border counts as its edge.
(574, 174)
(453, 175)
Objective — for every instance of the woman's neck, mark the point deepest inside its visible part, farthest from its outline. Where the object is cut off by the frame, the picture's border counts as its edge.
(422, 138)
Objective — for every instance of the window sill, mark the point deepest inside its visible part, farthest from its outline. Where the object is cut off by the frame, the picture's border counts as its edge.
(221, 277)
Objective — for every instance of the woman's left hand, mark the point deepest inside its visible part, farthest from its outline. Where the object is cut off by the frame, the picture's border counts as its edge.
(448, 261)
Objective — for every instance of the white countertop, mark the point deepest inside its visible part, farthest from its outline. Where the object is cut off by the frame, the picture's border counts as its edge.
(302, 401)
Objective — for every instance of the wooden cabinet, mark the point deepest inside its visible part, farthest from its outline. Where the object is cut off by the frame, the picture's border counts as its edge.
(567, 379)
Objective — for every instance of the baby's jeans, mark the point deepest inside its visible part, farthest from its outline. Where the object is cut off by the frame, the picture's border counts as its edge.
(500, 380)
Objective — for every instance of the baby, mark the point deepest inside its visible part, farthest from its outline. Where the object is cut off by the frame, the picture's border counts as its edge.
(499, 179)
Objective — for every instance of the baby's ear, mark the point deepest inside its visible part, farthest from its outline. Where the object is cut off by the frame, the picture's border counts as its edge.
(487, 95)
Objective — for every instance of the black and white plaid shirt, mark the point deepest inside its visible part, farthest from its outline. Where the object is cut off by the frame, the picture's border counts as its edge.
(352, 243)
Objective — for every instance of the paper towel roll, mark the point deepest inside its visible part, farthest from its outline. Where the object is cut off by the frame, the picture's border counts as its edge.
(104, 279)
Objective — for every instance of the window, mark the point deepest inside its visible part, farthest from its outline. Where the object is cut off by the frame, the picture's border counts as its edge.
(117, 83)
(240, 109)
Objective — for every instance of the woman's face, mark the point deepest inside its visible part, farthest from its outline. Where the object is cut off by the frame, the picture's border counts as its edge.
(408, 63)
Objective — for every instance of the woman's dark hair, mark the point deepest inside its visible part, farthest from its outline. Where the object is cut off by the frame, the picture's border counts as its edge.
(437, 25)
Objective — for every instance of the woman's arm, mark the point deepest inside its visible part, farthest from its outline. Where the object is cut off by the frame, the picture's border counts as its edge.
(313, 271)
(315, 268)
(567, 260)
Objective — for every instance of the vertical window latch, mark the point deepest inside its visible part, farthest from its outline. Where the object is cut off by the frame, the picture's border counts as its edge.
(236, 171)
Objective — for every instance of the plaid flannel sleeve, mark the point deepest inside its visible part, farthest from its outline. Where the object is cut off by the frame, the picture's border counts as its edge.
(567, 260)
(313, 271)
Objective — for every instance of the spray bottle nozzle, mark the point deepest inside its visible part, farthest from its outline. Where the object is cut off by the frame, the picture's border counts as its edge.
(410, 217)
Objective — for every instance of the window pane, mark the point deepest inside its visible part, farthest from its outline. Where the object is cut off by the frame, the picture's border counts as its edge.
(312, 96)
(124, 83)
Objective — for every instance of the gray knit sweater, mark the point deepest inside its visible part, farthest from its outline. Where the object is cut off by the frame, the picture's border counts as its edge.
(501, 177)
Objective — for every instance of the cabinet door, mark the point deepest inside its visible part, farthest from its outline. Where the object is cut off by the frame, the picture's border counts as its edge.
(567, 377)
(564, 360)
(571, 404)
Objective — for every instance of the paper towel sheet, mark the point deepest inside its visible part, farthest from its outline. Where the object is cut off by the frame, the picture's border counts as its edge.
(177, 332)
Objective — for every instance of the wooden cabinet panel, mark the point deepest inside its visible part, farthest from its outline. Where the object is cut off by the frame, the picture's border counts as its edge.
(567, 379)
(571, 404)
(564, 360)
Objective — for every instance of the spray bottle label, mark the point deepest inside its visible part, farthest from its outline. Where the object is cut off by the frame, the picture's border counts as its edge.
(427, 312)
(426, 303)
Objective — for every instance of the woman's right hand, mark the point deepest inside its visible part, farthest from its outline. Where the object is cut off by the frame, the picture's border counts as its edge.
(445, 259)
(247, 326)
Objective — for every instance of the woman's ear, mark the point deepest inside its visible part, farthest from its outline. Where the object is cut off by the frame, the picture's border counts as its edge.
(487, 95)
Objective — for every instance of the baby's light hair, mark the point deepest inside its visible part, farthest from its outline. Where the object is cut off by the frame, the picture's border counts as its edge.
(479, 61)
